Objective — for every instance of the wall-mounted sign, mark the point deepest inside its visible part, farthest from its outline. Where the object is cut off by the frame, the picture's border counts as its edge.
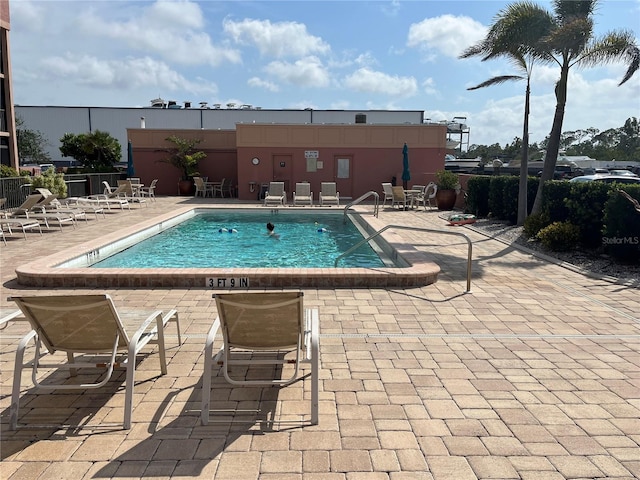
(311, 154)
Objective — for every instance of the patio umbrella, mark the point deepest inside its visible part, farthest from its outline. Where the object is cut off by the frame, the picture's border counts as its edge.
(130, 170)
(406, 175)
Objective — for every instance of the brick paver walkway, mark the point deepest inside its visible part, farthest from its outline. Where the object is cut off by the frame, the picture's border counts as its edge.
(534, 375)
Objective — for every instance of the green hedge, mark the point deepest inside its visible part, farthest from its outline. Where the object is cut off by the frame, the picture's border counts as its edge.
(478, 196)
(621, 231)
(585, 206)
(497, 196)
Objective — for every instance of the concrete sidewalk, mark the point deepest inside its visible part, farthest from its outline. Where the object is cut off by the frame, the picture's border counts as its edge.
(533, 375)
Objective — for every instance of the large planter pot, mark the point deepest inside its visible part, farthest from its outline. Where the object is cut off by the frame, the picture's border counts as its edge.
(185, 187)
(446, 199)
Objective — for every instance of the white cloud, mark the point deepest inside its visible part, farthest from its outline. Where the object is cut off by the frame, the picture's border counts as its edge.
(260, 83)
(447, 34)
(305, 72)
(127, 74)
(169, 30)
(366, 80)
(282, 39)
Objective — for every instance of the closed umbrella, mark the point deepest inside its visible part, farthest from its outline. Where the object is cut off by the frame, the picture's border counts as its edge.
(130, 170)
(406, 175)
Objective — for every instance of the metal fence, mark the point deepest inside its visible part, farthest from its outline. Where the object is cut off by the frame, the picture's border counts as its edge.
(17, 189)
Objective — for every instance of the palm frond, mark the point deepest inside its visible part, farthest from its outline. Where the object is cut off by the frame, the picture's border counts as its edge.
(497, 81)
(568, 9)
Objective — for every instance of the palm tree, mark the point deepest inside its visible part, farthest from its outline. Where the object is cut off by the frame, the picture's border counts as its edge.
(513, 32)
(571, 42)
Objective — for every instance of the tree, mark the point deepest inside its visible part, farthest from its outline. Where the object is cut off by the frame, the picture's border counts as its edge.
(31, 144)
(184, 155)
(95, 150)
(571, 42)
(511, 35)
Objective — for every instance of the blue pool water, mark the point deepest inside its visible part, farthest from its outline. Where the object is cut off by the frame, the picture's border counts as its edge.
(306, 240)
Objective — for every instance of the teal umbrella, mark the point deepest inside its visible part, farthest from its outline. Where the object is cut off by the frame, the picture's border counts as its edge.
(406, 175)
(130, 171)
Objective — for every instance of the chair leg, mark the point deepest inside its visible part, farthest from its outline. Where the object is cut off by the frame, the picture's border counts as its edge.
(17, 375)
(315, 367)
(130, 381)
(207, 372)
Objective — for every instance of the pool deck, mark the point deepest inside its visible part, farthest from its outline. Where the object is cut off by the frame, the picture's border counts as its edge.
(535, 374)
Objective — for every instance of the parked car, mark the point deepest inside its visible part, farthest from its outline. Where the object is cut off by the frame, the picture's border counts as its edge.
(606, 179)
(622, 172)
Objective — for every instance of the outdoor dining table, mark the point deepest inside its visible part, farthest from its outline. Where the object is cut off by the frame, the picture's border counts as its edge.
(412, 194)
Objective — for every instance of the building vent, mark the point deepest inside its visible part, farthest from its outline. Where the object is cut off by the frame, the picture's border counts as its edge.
(361, 118)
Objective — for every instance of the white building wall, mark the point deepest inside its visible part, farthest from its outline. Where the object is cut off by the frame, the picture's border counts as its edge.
(53, 122)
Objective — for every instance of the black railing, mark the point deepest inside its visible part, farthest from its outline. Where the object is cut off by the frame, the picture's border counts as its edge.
(17, 189)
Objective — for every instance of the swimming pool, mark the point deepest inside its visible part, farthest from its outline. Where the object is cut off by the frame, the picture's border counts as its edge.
(233, 239)
(410, 268)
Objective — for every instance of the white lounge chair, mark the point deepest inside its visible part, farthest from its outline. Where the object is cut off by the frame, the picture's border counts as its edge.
(89, 325)
(24, 223)
(28, 210)
(276, 194)
(79, 211)
(329, 194)
(268, 324)
(303, 194)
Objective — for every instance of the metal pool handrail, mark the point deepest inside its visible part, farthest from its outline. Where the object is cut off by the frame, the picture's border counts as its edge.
(370, 193)
(418, 229)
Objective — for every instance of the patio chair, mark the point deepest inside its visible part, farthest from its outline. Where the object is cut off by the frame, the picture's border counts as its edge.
(24, 223)
(303, 194)
(69, 206)
(328, 194)
(388, 194)
(91, 326)
(49, 203)
(129, 191)
(276, 194)
(218, 187)
(428, 197)
(202, 188)
(258, 329)
(149, 191)
(399, 197)
(29, 210)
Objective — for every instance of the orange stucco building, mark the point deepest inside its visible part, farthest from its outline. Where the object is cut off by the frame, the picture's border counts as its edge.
(358, 157)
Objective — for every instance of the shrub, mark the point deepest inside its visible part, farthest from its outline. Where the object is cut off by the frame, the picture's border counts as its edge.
(585, 205)
(621, 231)
(554, 193)
(51, 181)
(496, 198)
(559, 236)
(6, 171)
(478, 196)
(534, 223)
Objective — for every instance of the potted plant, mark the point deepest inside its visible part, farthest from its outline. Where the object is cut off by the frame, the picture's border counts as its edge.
(448, 186)
(184, 157)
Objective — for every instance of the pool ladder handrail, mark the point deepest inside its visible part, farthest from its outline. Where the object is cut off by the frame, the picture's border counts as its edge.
(370, 193)
(418, 229)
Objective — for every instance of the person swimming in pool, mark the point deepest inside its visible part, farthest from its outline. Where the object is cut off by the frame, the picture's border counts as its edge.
(270, 231)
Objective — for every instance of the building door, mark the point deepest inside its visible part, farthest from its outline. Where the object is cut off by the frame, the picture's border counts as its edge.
(282, 168)
(342, 169)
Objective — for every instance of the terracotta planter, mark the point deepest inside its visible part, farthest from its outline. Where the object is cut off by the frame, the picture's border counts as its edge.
(185, 187)
(446, 199)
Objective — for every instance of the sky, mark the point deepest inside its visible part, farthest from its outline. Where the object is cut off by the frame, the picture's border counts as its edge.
(345, 55)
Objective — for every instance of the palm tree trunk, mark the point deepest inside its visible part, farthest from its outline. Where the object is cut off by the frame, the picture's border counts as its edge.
(553, 146)
(524, 163)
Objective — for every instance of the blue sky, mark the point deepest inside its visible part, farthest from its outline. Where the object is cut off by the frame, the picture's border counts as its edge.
(354, 55)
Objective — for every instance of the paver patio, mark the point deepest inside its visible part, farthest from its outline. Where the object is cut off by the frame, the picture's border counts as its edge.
(533, 375)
